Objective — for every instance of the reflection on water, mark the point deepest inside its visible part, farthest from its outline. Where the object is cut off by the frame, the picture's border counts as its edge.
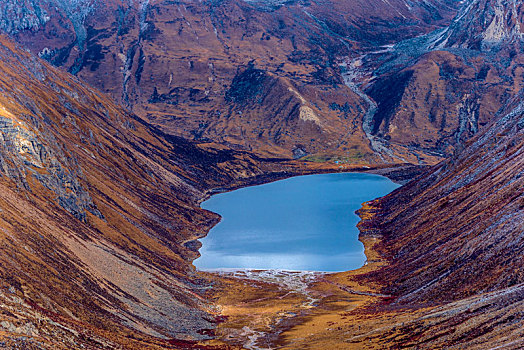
(302, 223)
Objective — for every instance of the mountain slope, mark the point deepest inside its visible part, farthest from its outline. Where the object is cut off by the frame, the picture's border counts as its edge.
(436, 91)
(457, 230)
(178, 65)
(98, 216)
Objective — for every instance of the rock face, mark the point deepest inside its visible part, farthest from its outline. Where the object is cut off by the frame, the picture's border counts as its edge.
(175, 64)
(484, 24)
(436, 91)
(18, 16)
(27, 147)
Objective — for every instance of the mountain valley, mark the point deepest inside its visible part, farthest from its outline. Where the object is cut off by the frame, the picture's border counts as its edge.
(118, 118)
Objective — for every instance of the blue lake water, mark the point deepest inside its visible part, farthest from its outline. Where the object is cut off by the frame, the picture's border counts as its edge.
(305, 223)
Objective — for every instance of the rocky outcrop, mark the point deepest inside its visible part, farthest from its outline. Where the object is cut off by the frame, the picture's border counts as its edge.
(18, 16)
(23, 153)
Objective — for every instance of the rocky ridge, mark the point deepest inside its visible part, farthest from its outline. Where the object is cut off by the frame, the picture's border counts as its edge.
(483, 25)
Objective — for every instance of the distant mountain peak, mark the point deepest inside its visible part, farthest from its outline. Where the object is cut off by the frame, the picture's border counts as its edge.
(483, 24)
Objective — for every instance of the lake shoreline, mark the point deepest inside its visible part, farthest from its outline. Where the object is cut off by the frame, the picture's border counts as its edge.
(303, 223)
(398, 173)
(276, 314)
(220, 284)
